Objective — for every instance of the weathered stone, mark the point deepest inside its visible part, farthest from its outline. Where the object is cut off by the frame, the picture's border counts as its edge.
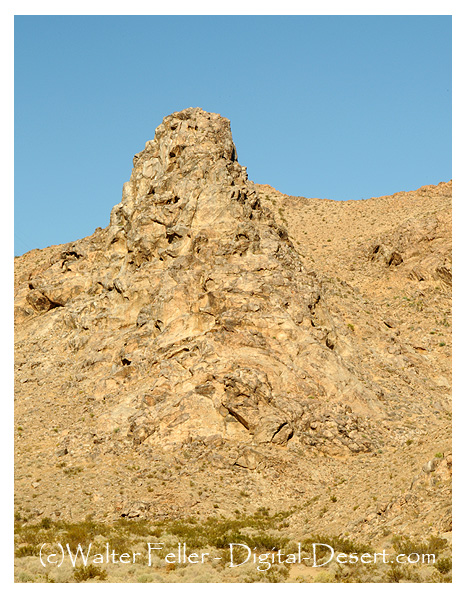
(39, 301)
(250, 459)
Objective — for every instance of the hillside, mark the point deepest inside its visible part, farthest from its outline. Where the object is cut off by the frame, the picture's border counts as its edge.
(223, 348)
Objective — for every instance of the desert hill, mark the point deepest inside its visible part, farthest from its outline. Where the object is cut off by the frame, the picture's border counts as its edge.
(224, 347)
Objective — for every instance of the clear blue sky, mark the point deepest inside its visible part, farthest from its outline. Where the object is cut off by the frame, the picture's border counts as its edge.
(341, 107)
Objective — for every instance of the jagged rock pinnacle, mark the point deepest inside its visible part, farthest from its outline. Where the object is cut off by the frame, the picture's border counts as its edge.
(186, 181)
(196, 288)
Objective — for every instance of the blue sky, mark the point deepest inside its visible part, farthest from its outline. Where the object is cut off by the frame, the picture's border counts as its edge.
(340, 107)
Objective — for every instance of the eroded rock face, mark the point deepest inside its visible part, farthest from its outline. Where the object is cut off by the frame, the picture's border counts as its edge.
(419, 244)
(193, 314)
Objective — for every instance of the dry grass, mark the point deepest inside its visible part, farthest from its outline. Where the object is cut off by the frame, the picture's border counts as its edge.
(258, 530)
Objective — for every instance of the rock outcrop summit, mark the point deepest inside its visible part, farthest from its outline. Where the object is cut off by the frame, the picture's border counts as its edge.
(200, 308)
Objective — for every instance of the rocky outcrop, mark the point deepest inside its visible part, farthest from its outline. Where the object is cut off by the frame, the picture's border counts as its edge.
(197, 296)
(191, 331)
(420, 245)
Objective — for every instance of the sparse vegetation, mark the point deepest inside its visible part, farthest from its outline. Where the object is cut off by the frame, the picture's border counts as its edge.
(407, 545)
(258, 529)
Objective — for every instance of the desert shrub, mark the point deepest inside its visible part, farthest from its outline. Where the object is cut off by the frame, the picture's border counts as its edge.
(75, 533)
(407, 545)
(339, 544)
(136, 527)
(118, 543)
(276, 574)
(436, 544)
(46, 523)
(443, 565)
(268, 542)
(394, 574)
(398, 573)
(91, 571)
(26, 550)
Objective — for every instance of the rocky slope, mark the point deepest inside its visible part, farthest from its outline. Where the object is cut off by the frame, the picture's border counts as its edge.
(222, 346)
